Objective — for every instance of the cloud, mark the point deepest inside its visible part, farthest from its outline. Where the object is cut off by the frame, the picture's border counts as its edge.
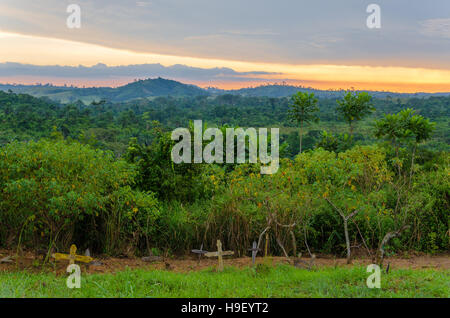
(323, 41)
(261, 32)
(318, 76)
(436, 28)
(104, 72)
(143, 3)
(266, 31)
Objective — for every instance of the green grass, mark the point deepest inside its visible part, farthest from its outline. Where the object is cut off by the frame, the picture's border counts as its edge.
(281, 281)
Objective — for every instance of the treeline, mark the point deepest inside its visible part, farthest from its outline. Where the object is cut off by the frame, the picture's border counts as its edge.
(110, 126)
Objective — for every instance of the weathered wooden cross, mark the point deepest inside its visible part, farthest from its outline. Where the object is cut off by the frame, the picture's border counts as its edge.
(200, 252)
(219, 254)
(72, 257)
(255, 251)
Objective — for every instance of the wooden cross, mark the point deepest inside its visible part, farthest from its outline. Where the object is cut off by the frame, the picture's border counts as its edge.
(200, 252)
(72, 257)
(219, 254)
(255, 251)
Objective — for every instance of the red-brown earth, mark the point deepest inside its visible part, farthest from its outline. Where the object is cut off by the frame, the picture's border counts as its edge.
(28, 261)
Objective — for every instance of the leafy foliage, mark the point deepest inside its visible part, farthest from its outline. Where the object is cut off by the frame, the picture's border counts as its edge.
(354, 107)
(130, 197)
(303, 109)
(53, 189)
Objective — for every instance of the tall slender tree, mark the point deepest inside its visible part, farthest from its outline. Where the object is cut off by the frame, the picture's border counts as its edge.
(303, 110)
(354, 106)
(404, 128)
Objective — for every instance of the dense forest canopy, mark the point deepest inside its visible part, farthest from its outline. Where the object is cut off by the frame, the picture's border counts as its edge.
(111, 125)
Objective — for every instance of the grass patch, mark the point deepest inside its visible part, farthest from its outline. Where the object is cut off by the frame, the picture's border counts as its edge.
(281, 281)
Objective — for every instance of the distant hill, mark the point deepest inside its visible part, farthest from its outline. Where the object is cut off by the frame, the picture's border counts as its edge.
(160, 87)
(154, 88)
(288, 90)
(140, 89)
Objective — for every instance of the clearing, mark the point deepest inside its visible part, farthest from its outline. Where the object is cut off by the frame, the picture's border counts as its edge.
(416, 276)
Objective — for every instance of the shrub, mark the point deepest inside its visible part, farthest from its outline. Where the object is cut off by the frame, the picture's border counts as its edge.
(54, 191)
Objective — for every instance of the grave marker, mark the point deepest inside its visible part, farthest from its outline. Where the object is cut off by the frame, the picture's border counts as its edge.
(219, 254)
(255, 251)
(200, 252)
(72, 257)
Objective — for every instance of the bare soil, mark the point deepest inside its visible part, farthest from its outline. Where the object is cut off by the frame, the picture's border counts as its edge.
(28, 261)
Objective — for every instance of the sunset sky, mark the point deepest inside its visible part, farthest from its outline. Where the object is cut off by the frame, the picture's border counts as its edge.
(229, 44)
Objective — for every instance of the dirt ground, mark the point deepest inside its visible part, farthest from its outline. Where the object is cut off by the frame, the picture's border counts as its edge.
(28, 261)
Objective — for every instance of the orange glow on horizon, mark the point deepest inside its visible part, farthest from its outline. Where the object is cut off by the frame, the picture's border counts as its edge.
(329, 85)
(35, 50)
(394, 88)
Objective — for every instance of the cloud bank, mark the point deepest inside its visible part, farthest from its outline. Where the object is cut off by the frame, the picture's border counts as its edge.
(104, 72)
(414, 33)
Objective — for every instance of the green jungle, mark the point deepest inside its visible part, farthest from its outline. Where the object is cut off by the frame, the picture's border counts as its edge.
(354, 171)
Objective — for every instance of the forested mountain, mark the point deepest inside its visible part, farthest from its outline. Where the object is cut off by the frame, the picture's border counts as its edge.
(139, 89)
(159, 87)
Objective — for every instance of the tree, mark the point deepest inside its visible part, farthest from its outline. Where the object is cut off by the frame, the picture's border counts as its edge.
(404, 127)
(158, 173)
(335, 143)
(354, 107)
(351, 183)
(302, 110)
